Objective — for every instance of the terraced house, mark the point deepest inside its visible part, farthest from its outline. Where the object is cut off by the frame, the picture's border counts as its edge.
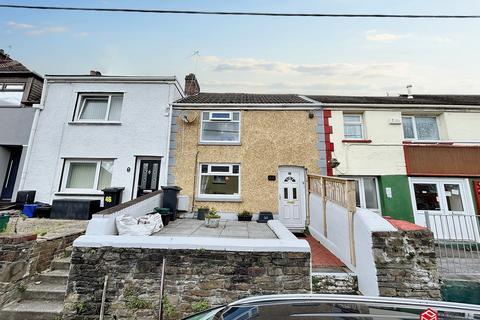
(414, 157)
(98, 131)
(250, 152)
(20, 90)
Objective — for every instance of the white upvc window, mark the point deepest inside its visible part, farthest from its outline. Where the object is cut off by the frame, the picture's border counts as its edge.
(353, 126)
(11, 94)
(219, 181)
(98, 107)
(220, 127)
(420, 127)
(87, 175)
(367, 193)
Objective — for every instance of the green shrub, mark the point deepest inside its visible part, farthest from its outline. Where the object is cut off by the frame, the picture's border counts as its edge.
(200, 306)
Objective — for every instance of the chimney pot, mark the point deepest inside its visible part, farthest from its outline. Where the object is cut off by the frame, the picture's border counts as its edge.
(192, 87)
(409, 91)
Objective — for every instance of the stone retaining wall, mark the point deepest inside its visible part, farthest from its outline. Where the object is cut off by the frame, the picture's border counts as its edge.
(192, 278)
(406, 264)
(23, 256)
(334, 283)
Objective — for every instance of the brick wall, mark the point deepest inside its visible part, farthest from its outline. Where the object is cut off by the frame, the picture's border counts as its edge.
(212, 277)
(406, 264)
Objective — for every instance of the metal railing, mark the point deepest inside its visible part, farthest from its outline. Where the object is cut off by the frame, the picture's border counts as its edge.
(457, 240)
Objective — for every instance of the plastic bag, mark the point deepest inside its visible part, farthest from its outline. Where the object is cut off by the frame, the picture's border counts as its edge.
(142, 226)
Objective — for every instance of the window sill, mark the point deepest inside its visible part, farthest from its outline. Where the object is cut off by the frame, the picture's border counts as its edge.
(79, 193)
(356, 141)
(219, 143)
(101, 123)
(427, 142)
(226, 199)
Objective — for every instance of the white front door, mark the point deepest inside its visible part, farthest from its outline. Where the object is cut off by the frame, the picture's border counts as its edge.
(448, 205)
(291, 195)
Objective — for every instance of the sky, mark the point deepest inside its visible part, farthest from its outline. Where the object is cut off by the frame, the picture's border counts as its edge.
(257, 54)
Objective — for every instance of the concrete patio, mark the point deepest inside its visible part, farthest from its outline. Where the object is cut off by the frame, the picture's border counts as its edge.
(226, 229)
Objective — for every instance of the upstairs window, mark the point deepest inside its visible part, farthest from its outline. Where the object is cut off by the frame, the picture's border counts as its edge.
(353, 126)
(219, 181)
(100, 108)
(420, 127)
(220, 127)
(11, 94)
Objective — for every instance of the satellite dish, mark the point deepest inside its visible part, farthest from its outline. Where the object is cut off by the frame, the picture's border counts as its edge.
(188, 117)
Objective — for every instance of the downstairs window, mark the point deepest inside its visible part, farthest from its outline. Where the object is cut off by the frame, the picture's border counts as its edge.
(219, 181)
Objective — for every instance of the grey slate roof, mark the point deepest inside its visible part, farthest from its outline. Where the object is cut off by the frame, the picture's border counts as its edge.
(9, 65)
(247, 98)
(426, 99)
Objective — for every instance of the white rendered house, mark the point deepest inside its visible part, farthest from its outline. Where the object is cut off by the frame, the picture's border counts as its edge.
(100, 131)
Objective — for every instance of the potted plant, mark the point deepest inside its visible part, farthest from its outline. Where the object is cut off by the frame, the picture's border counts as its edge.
(244, 216)
(202, 212)
(212, 219)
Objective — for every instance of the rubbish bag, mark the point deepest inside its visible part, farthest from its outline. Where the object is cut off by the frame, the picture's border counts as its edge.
(142, 226)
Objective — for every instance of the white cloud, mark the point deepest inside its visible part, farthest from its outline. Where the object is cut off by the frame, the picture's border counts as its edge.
(36, 30)
(443, 39)
(262, 66)
(385, 37)
(16, 25)
(247, 74)
(82, 34)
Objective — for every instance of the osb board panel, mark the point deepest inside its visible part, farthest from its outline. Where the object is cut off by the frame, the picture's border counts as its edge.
(455, 160)
(269, 139)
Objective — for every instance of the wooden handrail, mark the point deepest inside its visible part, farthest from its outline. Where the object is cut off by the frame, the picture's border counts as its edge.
(338, 190)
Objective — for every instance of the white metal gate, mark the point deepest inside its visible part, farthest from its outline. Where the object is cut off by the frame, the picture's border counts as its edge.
(457, 242)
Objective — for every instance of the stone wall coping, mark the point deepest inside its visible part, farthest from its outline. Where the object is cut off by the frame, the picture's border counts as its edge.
(194, 243)
(280, 230)
(404, 225)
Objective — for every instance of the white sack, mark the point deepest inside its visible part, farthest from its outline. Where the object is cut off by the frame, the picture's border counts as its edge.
(143, 226)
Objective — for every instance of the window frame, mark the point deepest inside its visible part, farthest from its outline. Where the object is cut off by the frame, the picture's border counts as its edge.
(66, 172)
(218, 197)
(361, 123)
(3, 88)
(414, 127)
(220, 142)
(82, 98)
(361, 191)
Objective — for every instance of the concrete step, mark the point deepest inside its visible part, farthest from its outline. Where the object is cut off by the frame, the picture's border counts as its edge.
(68, 251)
(32, 310)
(61, 264)
(54, 277)
(45, 291)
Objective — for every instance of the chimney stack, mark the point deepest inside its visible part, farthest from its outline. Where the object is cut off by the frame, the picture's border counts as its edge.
(95, 73)
(3, 55)
(191, 85)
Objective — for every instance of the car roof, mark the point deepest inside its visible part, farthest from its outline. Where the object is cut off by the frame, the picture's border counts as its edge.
(384, 301)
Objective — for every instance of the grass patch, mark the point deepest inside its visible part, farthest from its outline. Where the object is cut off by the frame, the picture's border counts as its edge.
(133, 302)
(169, 312)
(79, 307)
(200, 306)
